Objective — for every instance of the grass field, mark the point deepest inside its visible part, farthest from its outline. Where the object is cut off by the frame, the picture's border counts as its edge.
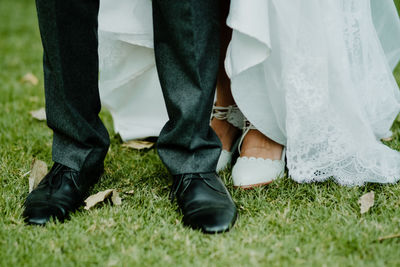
(284, 224)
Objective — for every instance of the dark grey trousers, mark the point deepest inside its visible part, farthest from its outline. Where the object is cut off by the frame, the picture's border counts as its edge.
(187, 48)
(69, 36)
(187, 42)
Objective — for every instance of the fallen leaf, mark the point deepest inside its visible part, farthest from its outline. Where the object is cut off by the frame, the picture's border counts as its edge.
(387, 139)
(116, 199)
(130, 192)
(30, 78)
(38, 172)
(366, 202)
(39, 114)
(99, 197)
(138, 144)
(92, 200)
(388, 237)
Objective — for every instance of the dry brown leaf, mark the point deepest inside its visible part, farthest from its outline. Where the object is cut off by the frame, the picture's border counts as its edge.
(39, 114)
(366, 202)
(116, 199)
(38, 172)
(138, 144)
(92, 200)
(130, 192)
(387, 139)
(388, 237)
(30, 78)
(99, 197)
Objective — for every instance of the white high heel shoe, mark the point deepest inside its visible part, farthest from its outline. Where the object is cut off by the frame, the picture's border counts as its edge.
(250, 172)
(234, 116)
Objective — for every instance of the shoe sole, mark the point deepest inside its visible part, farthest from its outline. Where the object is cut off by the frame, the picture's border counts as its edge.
(251, 186)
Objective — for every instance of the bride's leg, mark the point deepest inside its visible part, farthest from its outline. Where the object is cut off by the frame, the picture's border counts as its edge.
(255, 144)
(226, 132)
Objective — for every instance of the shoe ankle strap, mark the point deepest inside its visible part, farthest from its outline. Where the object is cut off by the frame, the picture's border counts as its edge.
(231, 114)
(246, 129)
(247, 126)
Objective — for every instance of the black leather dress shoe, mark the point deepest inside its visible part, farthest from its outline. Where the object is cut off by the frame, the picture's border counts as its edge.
(62, 191)
(205, 202)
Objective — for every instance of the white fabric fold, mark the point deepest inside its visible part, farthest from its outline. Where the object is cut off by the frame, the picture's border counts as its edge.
(129, 86)
(322, 86)
(312, 75)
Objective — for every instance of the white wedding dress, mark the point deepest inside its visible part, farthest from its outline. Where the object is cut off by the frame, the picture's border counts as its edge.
(315, 76)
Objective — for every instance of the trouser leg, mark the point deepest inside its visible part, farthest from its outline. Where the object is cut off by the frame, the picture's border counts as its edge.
(186, 35)
(69, 36)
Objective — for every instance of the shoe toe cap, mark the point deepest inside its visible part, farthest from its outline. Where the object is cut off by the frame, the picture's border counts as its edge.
(42, 213)
(212, 220)
(251, 171)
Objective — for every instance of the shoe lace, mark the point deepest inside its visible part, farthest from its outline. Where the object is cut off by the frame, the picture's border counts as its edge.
(178, 182)
(52, 178)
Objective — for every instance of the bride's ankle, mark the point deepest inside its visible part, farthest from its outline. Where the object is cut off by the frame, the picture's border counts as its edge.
(257, 145)
(226, 132)
(227, 122)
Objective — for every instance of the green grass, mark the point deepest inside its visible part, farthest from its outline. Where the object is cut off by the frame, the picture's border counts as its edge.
(284, 224)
